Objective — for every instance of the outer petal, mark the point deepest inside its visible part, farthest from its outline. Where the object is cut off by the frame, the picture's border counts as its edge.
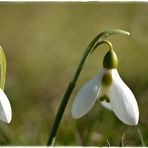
(123, 101)
(5, 108)
(86, 97)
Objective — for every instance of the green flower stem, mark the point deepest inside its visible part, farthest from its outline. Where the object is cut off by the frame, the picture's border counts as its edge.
(141, 137)
(3, 68)
(102, 42)
(97, 39)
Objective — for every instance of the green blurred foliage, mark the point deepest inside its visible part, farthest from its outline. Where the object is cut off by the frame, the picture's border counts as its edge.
(43, 43)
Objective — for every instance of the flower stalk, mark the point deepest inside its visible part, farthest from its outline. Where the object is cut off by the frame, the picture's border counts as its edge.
(98, 40)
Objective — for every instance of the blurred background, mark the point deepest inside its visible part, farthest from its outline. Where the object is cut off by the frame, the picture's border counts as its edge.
(43, 43)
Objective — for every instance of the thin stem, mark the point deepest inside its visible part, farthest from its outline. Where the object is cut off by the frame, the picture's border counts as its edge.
(122, 139)
(108, 143)
(72, 84)
(141, 137)
(102, 42)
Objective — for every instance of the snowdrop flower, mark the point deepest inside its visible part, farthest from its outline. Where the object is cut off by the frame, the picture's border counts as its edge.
(109, 89)
(5, 107)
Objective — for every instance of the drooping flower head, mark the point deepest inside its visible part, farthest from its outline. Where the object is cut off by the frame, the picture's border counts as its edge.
(109, 89)
(5, 107)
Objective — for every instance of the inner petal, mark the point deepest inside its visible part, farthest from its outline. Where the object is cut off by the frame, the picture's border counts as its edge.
(104, 99)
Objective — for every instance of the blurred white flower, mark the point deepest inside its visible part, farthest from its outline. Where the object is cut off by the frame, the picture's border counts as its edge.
(5, 108)
(112, 93)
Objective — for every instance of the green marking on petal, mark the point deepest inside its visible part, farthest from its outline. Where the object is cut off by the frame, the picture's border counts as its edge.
(104, 98)
(106, 80)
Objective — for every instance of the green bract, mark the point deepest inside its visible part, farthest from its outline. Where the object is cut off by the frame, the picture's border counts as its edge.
(110, 60)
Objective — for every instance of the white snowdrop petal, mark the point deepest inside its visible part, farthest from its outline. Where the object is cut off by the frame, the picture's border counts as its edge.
(5, 108)
(107, 105)
(123, 101)
(86, 97)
